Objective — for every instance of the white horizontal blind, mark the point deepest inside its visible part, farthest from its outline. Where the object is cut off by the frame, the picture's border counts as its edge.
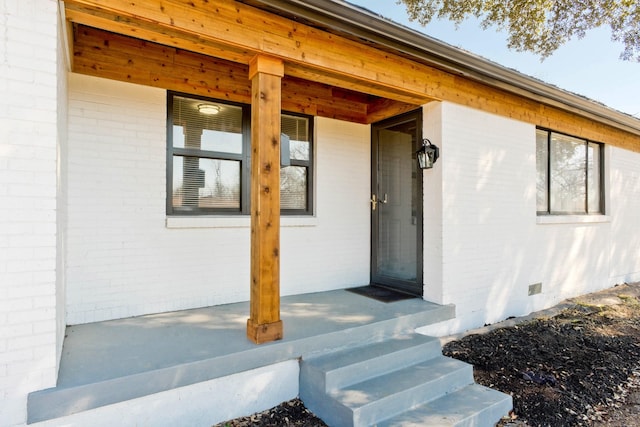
(205, 173)
(294, 179)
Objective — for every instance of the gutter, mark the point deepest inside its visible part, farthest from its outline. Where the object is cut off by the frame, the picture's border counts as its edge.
(361, 23)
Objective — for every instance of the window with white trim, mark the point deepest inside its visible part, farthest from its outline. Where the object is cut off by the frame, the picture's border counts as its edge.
(569, 175)
(209, 159)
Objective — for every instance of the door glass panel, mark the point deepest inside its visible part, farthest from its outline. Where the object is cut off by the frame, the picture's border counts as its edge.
(397, 185)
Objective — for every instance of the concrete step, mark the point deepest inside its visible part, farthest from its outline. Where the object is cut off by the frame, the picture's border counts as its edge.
(342, 368)
(471, 406)
(382, 397)
(401, 381)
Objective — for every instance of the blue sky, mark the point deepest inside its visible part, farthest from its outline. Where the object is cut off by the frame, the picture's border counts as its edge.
(590, 66)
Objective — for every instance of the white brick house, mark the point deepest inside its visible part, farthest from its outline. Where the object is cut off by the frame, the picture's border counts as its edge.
(86, 234)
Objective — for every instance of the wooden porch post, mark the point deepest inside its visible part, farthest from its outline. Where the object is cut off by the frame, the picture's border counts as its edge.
(264, 323)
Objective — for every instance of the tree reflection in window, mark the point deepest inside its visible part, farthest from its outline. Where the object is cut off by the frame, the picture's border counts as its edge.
(295, 179)
(568, 174)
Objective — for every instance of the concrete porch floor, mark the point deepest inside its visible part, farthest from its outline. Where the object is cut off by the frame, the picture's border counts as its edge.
(113, 361)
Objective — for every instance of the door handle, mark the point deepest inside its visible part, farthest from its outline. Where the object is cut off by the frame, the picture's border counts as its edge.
(374, 201)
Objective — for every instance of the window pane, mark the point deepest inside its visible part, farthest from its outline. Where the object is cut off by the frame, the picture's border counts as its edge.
(294, 179)
(299, 150)
(221, 131)
(297, 129)
(293, 187)
(568, 174)
(214, 140)
(205, 183)
(542, 178)
(593, 178)
(178, 136)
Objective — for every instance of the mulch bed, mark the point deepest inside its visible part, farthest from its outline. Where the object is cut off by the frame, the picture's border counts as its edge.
(580, 367)
(569, 370)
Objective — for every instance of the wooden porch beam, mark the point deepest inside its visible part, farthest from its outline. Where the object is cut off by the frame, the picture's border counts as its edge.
(264, 323)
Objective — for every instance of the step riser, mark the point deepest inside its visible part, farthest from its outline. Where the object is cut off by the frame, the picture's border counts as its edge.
(357, 372)
(400, 402)
(471, 406)
(376, 332)
(491, 414)
(381, 365)
(331, 412)
(486, 417)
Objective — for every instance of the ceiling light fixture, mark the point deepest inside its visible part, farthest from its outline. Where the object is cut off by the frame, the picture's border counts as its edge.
(209, 109)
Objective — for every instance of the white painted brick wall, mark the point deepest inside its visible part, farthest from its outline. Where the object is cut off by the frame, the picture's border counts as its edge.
(28, 137)
(488, 211)
(624, 208)
(61, 194)
(122, 260)
(432, 212)
(493, 244)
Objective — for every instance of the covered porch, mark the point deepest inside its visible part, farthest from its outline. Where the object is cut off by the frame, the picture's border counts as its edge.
(106, 363)
(244, 53)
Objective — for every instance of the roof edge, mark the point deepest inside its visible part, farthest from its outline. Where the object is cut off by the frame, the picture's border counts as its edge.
(362, 23)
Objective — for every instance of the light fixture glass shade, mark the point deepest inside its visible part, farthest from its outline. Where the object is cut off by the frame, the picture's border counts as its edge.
(424, 160)
(427, 154)
(208, 109)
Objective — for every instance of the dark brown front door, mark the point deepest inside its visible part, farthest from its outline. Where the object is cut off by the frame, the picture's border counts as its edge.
(396, 206)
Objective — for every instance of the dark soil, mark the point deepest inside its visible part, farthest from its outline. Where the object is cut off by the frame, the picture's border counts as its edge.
(580, 367)
(289, 414)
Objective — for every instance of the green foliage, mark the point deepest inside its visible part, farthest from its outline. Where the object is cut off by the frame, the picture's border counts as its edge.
(541, 26)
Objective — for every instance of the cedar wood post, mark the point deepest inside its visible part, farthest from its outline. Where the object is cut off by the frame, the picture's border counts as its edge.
(264, 323)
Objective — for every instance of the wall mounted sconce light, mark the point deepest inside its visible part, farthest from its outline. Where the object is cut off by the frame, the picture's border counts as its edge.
(209, 109)
(427, 154)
